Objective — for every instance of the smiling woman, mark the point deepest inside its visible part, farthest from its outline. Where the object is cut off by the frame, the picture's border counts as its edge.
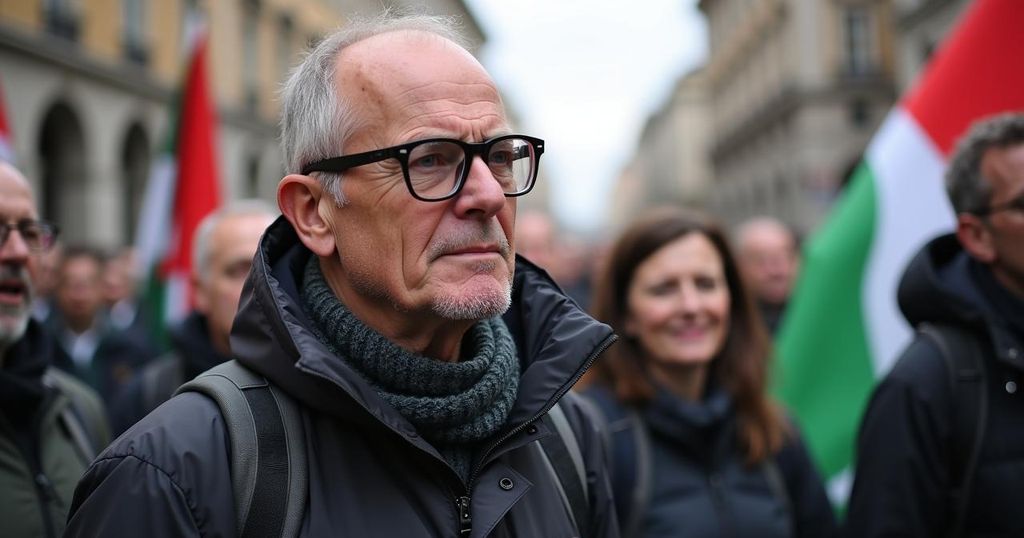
(698, 446)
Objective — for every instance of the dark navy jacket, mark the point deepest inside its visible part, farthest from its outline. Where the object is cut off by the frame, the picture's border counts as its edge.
(904, 449)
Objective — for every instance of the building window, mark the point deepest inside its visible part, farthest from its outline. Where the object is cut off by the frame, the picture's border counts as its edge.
(61, 17)
(284, 46)
(133, 31)
(250, 56)
(860, 113)
(857, 36)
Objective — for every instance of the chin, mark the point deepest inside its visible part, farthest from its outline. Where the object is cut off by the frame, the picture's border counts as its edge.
(474, 303)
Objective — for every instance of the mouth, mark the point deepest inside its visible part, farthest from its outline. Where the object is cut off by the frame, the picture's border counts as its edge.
(13, 292)
(474, 251)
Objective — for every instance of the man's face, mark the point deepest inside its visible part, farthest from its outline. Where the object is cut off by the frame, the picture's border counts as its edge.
(769, 262)
(16, 261)
(451, 260)
(232, 245)
(80, 291)
(1004, 169)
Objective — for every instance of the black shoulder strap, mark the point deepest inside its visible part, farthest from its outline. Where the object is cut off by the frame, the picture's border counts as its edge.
(268, 457)
(961, 352)
(565, 460)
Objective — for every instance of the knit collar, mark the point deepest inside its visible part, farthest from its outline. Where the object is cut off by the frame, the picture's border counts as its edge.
(459, 403)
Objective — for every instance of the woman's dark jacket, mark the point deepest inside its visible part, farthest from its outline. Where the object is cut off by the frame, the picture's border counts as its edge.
(370, 473)
(699, 485)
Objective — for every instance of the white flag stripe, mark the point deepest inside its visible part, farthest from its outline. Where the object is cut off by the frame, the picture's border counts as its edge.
(911, 207)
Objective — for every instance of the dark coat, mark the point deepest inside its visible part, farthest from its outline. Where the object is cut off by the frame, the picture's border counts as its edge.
(191, 354)
(370, 473)
(699, 484)
(117, 357)
(902, 485)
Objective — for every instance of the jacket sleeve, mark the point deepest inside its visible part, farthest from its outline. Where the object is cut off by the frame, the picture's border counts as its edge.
(593, 442)
(900, 483)
(812, 512)
(167, 476)
(127, 496)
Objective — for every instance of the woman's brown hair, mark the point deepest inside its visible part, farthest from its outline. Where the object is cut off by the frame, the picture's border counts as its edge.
(741, 366)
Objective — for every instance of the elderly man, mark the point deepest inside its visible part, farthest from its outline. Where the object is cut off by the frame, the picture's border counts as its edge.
(941, 446)
(766, 250)
(50, 425)
(223, 248)
(425, 363)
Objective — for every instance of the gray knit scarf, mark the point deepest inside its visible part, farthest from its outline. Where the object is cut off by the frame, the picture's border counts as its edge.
(454, 406)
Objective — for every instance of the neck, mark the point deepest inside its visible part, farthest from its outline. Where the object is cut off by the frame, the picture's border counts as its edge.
(423, 333)
(686, 381)
(1013, 283)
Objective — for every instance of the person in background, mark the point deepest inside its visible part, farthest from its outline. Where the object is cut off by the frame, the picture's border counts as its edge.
(697, 446)
(768, 255)
(46, 281)
(223, 247)
(88, 346)
(387, 304)
(941, 446)
(51, 426)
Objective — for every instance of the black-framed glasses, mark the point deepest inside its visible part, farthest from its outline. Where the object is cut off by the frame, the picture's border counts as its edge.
(436, 169)
(1017, 204)
(37, 234)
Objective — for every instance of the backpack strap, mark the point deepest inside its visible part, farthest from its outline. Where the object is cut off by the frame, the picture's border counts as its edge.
(268, 457)
(565, 459)
(961, 353)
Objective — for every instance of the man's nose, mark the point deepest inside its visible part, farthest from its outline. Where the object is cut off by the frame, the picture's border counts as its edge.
(482, 195)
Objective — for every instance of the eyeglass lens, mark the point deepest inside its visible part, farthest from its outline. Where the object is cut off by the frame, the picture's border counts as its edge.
(435, 168)
(35, 234)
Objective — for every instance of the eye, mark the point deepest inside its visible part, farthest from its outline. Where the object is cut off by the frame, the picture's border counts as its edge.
(705, 283)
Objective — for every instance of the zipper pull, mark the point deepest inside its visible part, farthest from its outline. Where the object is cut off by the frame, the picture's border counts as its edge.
(49, 493)
(465, 518)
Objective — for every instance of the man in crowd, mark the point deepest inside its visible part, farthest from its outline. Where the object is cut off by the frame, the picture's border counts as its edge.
(388, 304)
(941, 446)
(767, 253)
(88, 345)
(50, 425)
(223, 248)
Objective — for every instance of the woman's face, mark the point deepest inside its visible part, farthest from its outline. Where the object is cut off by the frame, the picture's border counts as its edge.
(678, 303)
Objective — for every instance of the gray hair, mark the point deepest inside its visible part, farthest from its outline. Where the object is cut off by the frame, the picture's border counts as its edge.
(201, 239)
(967, 188)
(315, 120)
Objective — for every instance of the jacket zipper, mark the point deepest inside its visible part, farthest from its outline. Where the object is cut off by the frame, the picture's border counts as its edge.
(47, 494)
(462, 502)
(465, 516)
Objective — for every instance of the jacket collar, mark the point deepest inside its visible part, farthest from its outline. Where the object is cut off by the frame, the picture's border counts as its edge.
(556, 340)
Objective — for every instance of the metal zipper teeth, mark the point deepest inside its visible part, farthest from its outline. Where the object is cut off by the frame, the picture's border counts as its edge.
(605, 344)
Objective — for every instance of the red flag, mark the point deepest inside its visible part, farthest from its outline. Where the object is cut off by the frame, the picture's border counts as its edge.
(6, 140)
(197, 191)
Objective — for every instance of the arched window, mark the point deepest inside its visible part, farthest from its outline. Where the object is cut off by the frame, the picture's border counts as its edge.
(64, 173)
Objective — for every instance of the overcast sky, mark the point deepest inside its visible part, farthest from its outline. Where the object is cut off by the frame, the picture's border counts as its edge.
(585, 75)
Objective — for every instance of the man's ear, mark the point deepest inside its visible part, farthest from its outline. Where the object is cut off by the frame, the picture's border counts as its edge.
(299, 197)
(974, 235)
(202, 304)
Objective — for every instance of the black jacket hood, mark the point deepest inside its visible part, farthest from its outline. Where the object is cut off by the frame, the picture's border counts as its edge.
(937, 287)
(556, 340)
